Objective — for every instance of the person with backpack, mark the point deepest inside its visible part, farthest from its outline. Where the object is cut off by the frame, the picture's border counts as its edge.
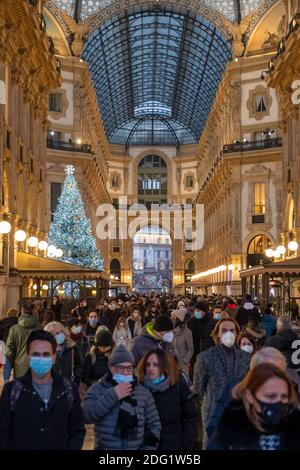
(41, 410)
(17, 337)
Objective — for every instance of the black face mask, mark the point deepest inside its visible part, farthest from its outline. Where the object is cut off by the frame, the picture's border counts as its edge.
(273, 413)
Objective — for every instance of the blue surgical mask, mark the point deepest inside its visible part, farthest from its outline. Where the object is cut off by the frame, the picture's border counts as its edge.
(217, 316)
(40, 365)
(93, 321)
(122, 379)
(158, 380)
(60, 338)
(199, 314)
(76, 330)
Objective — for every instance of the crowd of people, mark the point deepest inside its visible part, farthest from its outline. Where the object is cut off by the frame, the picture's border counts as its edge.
(150, 372)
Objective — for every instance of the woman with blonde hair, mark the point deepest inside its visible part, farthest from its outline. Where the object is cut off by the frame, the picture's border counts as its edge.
(122, 333)
(264, 414)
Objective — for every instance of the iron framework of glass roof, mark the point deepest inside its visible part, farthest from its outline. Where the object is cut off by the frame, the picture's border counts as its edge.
(156, 72)
(232, 9)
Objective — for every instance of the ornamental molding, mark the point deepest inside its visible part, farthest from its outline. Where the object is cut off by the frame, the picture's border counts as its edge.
(57, 13)
(223, 24)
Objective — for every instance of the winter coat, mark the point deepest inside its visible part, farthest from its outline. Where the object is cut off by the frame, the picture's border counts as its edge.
(16, 342)
(268, 322)
(5, 326)
(82, 344)
(283, 341)
(146, 341)
(220, 405)
(68, 362)
(201, 330)
(93, 371)
(90, 332)
(135, 326)
(101, 407)
(122, 335)
(178, 415)
(246, 312)
(211, 375)
(57, 308)
(30, 426)
(183, 341)
(232, 310)
(236, 432)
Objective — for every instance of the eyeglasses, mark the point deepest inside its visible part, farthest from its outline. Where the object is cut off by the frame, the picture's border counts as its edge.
(122, 369)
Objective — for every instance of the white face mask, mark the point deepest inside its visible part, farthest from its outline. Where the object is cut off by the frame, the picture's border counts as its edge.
(248, 348)
(168, 337)
(228, 339)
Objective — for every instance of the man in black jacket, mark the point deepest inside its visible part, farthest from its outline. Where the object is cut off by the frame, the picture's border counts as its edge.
(41, 410)
(201, 326)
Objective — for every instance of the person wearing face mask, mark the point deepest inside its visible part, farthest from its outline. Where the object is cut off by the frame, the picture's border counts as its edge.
(174, 400)
(263, 356)
(247, 343)
(77, 334)
(201, 326)
(122, 410)
(264, 414)
(122, 333)
(157, 335)
(111, 315)
(134, 321)
(41, 410)
(151, 314)
(91, 325)
(79, 312)
(96, 362)
(268, 321)
(183, 339)
(218, 366)
(67, 362)
(218, 313)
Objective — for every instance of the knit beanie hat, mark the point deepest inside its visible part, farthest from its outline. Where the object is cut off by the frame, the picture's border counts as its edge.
(119, 355)
(104, 338)
(163, 323)
(180, 314)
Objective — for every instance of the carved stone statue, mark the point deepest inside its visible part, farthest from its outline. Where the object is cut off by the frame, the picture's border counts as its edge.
(150, 257)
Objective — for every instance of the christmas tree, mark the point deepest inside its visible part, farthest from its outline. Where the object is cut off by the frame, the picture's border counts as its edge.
(71, 229)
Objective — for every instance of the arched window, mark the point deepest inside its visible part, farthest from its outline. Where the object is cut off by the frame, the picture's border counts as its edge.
(257, 250)
(152, 181)
(189, 269)
(291, 215)
(115, 269)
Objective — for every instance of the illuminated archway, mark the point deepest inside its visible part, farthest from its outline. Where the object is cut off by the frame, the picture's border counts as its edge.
(152, 260)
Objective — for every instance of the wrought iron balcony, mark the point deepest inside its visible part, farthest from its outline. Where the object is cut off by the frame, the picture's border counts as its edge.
(253, 145)
(68, 146)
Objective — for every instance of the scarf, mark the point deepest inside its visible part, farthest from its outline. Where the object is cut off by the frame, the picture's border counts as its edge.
(127, 420)
(77, 337)
(161, 387)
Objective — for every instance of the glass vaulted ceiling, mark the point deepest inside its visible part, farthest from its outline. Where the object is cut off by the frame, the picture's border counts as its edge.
(156, 72)
(232, 9)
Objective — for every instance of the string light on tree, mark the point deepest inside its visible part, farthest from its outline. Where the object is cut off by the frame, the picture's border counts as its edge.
(70, 230)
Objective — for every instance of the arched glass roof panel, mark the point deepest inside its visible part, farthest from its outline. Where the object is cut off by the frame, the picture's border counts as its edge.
(229, 8)
(164, 64)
